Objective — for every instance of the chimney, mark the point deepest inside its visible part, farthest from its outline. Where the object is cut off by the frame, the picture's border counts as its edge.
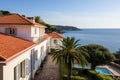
(32, 19)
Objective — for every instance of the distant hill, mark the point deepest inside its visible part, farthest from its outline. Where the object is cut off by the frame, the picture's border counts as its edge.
(62, 29)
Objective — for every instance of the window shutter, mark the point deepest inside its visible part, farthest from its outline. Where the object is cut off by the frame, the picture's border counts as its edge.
(36, 55)
(34, 60)
(15, 31)
(15, 73)
(19, 71)
(23, 69)
(26, 66)
(7, 30)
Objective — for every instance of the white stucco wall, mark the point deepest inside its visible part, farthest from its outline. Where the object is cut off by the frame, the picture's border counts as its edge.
(40, 57)
(8, 69)
(53, 45)
(26, 31)
(8, 72)
(23, 31)
(40, 32)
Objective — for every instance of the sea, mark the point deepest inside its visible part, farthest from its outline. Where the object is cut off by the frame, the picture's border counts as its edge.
(109, 38)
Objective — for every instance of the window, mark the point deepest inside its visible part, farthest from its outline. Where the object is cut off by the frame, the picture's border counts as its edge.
(11, 31)
(15, 73)
(42, 50)
(35, 30)
(26, 66)
(22, 68)
(32, 59)
(55, 41)
(36, 55)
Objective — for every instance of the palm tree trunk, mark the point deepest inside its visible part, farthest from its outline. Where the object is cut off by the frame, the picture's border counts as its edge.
(69, 70)
(93, 66)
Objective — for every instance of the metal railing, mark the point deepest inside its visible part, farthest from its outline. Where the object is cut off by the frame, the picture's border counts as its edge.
(41, 39)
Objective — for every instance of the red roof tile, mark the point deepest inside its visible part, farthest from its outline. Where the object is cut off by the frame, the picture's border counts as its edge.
(11, 46)
(41, 25)
(16, 19)
(56, 35)
(47, 35)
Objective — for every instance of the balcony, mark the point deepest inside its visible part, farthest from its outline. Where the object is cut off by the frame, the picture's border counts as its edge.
(41, 39)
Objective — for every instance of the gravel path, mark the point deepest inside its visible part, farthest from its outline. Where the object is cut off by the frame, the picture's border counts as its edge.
(50, 71)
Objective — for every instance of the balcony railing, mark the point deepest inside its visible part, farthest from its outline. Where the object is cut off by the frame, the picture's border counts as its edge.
(41, 39)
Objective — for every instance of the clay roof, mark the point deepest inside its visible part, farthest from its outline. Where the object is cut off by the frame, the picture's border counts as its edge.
(39, 25)
(16, 19)
(10, 46)
(56, 35)
(47, 35)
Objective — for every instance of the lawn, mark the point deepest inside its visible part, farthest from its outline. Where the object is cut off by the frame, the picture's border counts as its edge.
(83, 74)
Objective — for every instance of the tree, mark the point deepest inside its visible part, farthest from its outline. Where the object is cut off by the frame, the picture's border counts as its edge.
(68, 54)
(39, 20)
(49, 29)
(1, 14)
(5, 12)
(98, 55)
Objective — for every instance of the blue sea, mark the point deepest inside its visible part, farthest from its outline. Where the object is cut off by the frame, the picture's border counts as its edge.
(109, 38)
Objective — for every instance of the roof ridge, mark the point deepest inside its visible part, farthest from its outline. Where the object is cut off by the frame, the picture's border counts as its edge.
(57, 33)
(24, 18)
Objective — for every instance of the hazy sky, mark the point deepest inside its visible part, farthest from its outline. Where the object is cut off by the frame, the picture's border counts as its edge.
(79, 13)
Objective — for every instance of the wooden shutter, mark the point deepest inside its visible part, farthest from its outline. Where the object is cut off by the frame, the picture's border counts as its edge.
(15, 31)
(26, 66)
(19, 71)
(36, 54)
(23, 69)
(7, 30)
(15, 73)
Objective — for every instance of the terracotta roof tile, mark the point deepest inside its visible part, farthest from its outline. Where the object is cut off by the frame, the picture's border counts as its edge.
(47, 35)
(11, 46)
(41, 25)
(16, 19)
(56, 35)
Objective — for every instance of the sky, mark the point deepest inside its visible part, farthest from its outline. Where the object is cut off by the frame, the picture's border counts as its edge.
(79, 13)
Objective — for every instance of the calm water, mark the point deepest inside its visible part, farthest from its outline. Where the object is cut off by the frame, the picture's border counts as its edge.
(103, 71)
(98, 69)
(110, 38)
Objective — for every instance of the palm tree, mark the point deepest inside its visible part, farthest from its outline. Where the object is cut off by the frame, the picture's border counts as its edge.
(68, 54)
(98, 55)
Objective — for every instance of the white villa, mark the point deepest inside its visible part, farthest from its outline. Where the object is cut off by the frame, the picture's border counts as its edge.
(23, 46)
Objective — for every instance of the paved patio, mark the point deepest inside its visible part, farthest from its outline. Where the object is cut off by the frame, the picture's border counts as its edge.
(50, 71)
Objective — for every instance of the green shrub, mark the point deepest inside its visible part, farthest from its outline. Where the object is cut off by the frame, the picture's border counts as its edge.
(80, 72)
(104, 77)
(97, 76)
(74, 72)
(85, 71)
